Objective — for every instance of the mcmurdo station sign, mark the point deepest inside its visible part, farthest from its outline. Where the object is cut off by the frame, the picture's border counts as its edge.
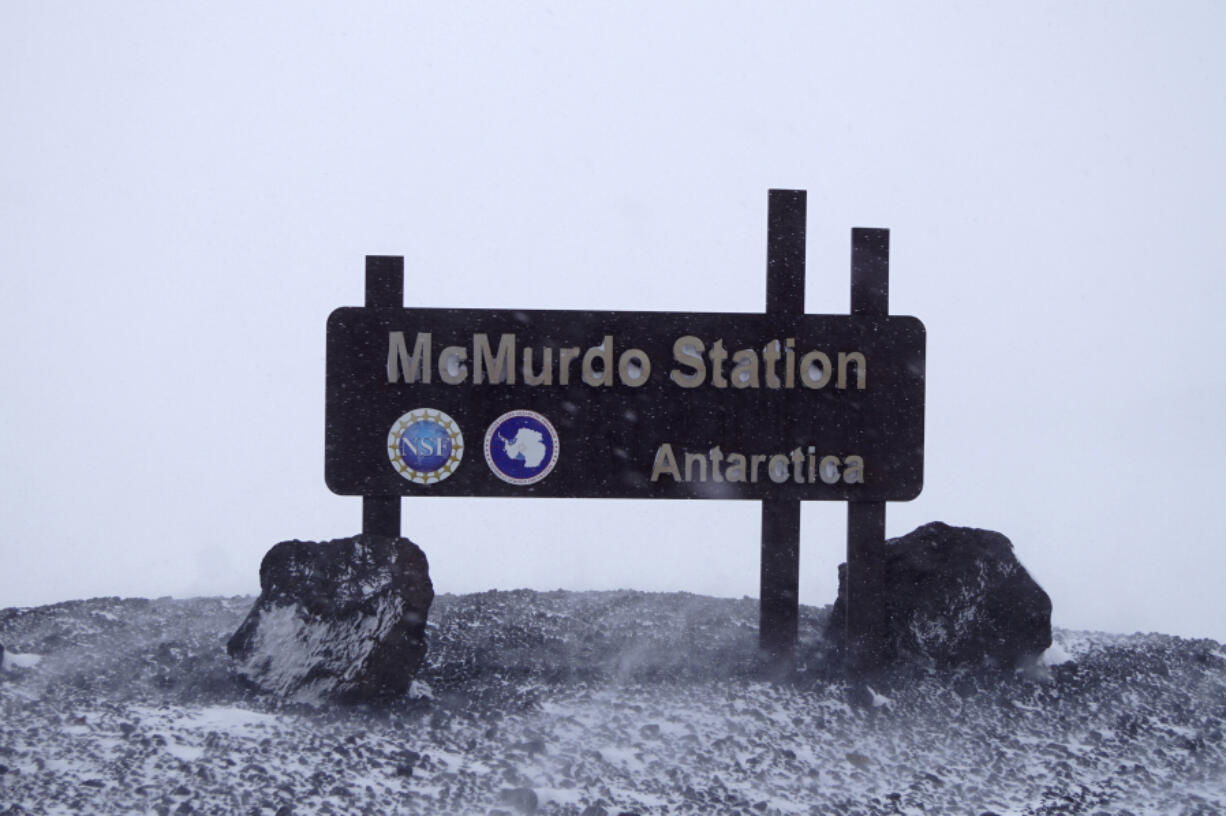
(633, 405)
(778, 406)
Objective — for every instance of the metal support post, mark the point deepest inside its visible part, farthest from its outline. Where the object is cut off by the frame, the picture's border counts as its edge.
(779, 599)
(865, 635)
(384, 288)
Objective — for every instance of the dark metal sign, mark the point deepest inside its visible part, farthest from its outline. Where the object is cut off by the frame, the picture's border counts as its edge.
(581, 404)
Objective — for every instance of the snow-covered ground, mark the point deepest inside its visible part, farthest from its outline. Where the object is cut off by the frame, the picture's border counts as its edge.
(591, 703)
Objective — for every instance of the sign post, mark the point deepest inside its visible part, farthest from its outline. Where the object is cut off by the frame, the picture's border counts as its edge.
(779, 591)
(384, 290)
(865, 621)
(779, 407)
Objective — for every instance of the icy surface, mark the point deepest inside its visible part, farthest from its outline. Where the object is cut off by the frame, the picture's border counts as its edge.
(617, 702)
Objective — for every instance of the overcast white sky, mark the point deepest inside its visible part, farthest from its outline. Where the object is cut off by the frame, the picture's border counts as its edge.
(188, 189)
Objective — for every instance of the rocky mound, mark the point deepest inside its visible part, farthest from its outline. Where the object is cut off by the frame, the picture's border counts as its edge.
(955, 597)
(341, 620)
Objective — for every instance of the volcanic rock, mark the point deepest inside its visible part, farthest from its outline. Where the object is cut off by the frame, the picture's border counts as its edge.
(955, 596)
(339, 620)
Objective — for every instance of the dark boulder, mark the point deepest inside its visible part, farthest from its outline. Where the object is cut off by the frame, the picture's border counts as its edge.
(341, 620)
(955, 596)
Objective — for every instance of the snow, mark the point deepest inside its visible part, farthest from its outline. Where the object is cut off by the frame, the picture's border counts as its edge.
(627, 757)
(187, 753)
(230, 719)
(560, 796)
(14, 660)
(878, 700)
(1080, 644)
(420, 690)
(1056, 655)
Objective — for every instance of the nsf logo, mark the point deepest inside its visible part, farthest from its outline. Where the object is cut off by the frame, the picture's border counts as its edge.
(425, 446)
(521, 447)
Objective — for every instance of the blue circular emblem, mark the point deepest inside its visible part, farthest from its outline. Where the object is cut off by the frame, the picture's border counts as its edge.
(521, 447)
(425, 446)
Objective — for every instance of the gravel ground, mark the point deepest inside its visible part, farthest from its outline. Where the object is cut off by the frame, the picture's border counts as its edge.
(595, 703)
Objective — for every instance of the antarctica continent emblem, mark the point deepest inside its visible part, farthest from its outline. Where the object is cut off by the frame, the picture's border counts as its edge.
(425, 446)
(521, 447)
